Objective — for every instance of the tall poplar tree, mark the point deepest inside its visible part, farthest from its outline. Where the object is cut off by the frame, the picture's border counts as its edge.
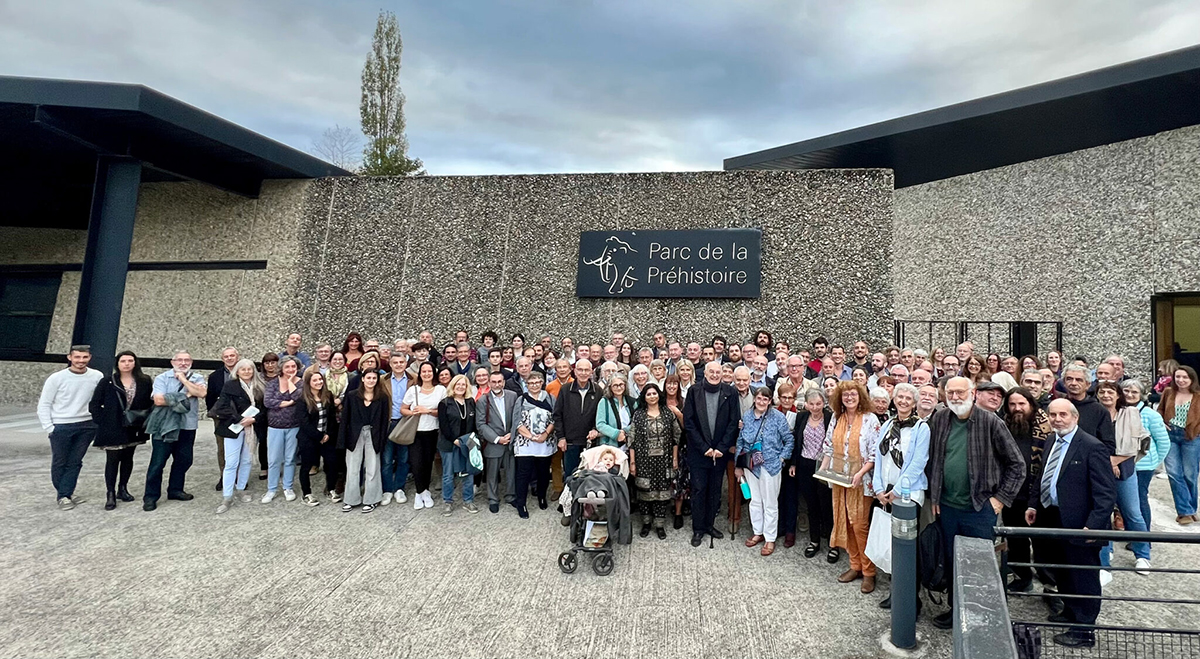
(382, 105)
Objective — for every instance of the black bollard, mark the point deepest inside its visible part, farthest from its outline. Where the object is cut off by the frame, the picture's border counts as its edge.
(904, 574)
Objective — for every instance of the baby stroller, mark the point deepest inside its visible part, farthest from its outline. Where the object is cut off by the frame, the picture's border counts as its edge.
(596, 503)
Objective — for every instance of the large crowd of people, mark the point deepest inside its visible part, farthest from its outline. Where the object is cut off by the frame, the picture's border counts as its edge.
(974, 439)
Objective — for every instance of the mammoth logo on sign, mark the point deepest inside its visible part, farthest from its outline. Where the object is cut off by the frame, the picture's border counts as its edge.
(701, 263)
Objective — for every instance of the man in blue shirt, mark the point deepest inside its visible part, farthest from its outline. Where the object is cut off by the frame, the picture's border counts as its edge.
(292, 347)
(180, 379)
(393, 464)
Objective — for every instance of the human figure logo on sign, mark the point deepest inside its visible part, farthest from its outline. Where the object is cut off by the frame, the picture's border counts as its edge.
(616, 265)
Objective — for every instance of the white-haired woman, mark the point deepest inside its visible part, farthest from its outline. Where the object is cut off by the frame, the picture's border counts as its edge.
(241, 393)
(901, 455)
(639, 377)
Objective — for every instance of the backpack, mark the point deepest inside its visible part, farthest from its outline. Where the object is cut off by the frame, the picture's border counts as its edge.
(931, 558)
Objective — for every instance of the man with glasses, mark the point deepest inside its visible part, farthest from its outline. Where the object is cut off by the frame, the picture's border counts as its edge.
(795, 376)
(975, 469)
(950, 366)
(1032, 380)
(1094, 419)
(170, 384)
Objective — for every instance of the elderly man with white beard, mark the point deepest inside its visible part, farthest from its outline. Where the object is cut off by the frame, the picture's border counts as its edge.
(975, 469)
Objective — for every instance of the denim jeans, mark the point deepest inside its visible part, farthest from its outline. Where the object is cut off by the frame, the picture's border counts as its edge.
(394, 463)
(448, 478)
(69, 442)
(1183, 463)
(281, 452)
(969, 524)
(180, 453)
(1144, 477)
(1130, 505)
(237, 464)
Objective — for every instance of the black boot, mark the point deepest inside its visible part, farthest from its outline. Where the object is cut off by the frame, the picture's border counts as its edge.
(220, 484)
(123, 494)
(678, 522)
(645, 530)
(110, 501)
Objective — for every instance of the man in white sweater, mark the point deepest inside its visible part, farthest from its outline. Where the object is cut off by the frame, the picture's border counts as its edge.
(63, 411)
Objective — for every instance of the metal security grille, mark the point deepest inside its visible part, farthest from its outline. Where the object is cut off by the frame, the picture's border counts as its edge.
(1013, 337)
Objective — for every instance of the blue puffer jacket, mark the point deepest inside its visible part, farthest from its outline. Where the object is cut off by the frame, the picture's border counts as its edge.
(1160, 441)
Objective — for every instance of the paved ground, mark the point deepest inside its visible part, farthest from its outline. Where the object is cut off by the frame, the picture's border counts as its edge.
(285, 580)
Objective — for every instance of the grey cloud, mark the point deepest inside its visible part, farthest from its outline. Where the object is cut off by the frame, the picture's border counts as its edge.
(505, 87)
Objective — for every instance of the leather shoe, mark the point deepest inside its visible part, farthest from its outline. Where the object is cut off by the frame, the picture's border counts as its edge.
(944, 620)
(645, 532)
(850, 575)
(180, 496)
(833, 556)
(1057, 617)
(542, 504)
(868, 586)
(662, 533)
(1071, 640)
(149, 505)
(1020, 586)
(678, 522)
(110, 501)
(767, 549)
(220, 484)
(522, 513)
(493, 507)
(789, 540)
(886, 603)
(754, 540)
(716, 534)
(697, 538)
(124, 495)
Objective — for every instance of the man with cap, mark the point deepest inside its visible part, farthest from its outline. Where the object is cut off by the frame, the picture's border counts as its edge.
(989, 396)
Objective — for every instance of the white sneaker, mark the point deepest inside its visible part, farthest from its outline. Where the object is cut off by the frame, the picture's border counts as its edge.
(65, 503)
(428, 499)
(1106, 578)
(269, 496)
(290, 495)
(335, 497)
(387, 498)
(400, 497)
(310, 500)
(1142, 566)
(418, 502)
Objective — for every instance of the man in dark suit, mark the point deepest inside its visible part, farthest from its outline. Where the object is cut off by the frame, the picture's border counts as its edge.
(1075, 491)
(710, 418)
(216, 381)
(496, 422)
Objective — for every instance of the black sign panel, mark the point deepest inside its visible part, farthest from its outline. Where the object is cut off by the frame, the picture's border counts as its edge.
(701, 263)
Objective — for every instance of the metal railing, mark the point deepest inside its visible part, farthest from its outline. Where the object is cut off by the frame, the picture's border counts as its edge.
(1135, 637)
(1001, 336)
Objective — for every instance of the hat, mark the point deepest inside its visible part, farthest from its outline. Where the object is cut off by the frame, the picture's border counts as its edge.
(988, 385)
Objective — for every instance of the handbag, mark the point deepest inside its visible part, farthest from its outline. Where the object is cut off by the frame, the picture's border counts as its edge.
(879, 540)
(405, 432)
(134, 418)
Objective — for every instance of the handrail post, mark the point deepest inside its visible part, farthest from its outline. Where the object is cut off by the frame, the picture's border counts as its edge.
(904, 574)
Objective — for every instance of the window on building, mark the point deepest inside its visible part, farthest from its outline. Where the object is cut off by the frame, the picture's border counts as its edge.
(26, 309)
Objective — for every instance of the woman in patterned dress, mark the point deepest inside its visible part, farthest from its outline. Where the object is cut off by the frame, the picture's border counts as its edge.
(653, 457)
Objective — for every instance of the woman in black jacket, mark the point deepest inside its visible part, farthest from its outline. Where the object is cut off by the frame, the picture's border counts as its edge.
(119, 408)
(318, 434)
(806, 455)
(240, 394)
(456, 418)
(366, 412)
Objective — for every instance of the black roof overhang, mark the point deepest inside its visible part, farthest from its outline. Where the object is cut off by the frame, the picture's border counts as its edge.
(53, 131)
(1109, 105)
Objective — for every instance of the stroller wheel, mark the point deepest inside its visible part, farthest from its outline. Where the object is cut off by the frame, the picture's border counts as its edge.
(567, 562)
(603, 564)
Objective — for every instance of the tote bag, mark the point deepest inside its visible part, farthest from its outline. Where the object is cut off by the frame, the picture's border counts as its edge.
(879, 540)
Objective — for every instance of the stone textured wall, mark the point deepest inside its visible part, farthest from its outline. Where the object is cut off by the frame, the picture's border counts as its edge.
(392, 256)
(1085, 238)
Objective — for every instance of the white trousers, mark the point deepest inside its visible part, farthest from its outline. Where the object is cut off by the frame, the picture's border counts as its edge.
(764, 502)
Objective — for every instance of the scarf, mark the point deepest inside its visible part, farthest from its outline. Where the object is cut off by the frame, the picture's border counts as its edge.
(890, 444)
(711, 388)
(536, 402)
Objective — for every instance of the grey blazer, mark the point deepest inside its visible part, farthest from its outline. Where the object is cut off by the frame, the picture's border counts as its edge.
(489, 425)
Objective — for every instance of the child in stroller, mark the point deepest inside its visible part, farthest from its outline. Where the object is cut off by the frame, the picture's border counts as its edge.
(596, 506)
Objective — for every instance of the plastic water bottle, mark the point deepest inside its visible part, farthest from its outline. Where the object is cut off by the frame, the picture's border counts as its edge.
(905, 494)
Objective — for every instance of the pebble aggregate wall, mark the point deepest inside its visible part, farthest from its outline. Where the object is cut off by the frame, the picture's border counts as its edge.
(393, 256)
(1085, 238)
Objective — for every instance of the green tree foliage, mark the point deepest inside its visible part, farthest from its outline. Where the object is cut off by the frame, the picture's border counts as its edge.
(382, 106)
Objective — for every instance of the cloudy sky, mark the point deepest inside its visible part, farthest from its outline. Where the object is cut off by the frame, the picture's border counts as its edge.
(506, 86)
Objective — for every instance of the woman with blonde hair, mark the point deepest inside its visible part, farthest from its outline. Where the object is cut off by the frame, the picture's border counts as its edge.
(687, 376)
(851, 438)
(456, 420)
(239, 394)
